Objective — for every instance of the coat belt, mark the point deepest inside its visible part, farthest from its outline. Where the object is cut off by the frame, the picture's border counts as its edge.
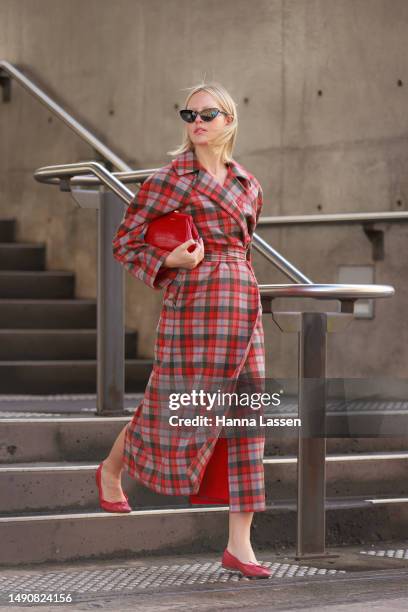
(225, 254)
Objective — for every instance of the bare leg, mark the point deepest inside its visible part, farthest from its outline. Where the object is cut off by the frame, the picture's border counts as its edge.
(239, 540)
(112, 471)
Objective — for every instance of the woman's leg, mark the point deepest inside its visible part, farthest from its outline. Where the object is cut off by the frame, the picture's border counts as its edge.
(239, 540)
(246, 489)
(112, 471)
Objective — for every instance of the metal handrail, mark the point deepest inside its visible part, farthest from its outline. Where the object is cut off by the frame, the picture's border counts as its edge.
(336, 218)
(138, 176)
(63, 173)
(326, 291)
(90, 180)
(8, 69)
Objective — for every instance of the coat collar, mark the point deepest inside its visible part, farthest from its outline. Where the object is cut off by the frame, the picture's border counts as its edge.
(187, 162)
(230, 199)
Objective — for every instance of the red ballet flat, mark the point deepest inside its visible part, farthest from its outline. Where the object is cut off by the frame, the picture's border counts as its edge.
(250, 569)
(119, 506)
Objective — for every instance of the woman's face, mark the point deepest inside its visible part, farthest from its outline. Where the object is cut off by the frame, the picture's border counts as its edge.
(203, 132)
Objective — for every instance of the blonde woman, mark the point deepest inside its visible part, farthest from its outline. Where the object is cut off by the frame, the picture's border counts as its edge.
(210, 326)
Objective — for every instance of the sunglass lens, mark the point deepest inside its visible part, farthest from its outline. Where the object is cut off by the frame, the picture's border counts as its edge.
(187, 115)
(209, 114)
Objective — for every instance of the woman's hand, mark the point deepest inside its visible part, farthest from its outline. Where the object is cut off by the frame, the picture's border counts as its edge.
(180, 257)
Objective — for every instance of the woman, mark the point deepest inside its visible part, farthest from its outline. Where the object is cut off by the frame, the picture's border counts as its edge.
(210, 328)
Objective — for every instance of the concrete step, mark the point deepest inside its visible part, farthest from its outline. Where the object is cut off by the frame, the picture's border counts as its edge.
(58, 439)
(47, 537)
(284, 446)
(347, 474)
(51, 487)
(50, 344)
(48, 314)
(89, 438)
(22, 256)
(66, 376)
(37, 284)
(7, 230)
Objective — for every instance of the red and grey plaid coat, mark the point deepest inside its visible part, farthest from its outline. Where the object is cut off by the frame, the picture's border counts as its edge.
(210, 327)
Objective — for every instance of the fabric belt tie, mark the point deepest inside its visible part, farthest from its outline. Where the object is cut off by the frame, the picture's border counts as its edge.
(225, 254)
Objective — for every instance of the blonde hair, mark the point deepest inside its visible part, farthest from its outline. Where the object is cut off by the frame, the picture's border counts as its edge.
(227, 139)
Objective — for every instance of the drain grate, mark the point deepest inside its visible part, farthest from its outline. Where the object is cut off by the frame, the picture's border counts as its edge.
(391, 553)
(127, 579)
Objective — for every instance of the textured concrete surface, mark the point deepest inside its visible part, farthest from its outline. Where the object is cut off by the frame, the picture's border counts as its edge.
(373, 583)
(321, 93)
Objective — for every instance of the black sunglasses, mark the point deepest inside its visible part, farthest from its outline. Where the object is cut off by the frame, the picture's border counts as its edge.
(208, 114)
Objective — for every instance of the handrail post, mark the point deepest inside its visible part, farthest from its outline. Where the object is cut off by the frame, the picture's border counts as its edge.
(312, 329)
(110, 311)
(311, 466)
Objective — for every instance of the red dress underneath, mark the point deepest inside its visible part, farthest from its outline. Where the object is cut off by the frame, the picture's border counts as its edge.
(214, 484)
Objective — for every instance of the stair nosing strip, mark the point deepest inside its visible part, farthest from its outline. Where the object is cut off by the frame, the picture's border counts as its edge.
(98, 514)
(332, 503)
(4, 468)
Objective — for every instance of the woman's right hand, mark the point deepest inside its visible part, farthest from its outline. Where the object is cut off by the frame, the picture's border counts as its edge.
(180, 257)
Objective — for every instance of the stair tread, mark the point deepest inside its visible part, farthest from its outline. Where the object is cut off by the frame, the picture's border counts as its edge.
(48, 465)
(331, 503)
(90, 465)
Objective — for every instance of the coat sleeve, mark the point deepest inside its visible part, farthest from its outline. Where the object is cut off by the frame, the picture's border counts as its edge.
(158, 194)
(259, 205)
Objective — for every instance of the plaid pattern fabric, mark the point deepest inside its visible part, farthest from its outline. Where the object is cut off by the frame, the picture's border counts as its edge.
(245, 454)
(209, 330)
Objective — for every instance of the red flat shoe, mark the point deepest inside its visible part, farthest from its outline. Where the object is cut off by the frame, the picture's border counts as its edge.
(250, 569)
(119, 506)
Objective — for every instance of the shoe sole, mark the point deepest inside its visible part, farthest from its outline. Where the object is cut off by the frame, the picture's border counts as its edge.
(234, 569)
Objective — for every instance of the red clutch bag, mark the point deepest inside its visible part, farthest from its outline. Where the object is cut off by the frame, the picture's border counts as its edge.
(170, 230)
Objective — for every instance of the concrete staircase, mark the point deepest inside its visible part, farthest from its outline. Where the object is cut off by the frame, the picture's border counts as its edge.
(49, 505)
(47, 336)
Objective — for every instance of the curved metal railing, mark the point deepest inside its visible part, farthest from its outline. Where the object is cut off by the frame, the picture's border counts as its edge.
(326, 291)
(63, 174)
(94, 173)
(138, 176)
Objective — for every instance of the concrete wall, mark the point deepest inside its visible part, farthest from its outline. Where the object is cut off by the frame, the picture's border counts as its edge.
(323, 125)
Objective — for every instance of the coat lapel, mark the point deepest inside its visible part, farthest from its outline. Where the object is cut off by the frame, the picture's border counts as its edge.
(202, 181)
